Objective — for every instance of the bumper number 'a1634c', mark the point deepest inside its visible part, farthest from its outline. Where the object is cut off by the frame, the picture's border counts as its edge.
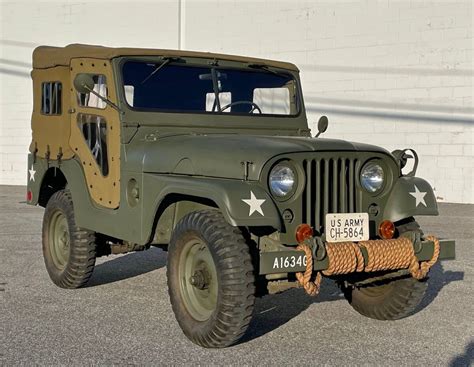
(282, 262)
(289, 262)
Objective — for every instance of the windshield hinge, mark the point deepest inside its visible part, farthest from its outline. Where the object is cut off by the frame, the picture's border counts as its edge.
(214, 62)
(246, 165)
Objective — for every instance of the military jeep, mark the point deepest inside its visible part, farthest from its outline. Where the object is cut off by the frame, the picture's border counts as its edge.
(210, 157)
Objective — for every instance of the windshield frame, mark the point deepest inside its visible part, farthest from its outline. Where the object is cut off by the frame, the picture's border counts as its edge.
(212, 64)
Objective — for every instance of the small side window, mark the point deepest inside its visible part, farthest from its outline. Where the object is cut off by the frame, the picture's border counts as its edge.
(51, 98)
(94, 130)
(129, 94)
(90, 99)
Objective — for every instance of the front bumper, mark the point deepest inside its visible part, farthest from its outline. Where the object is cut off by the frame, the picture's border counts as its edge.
(291, 261)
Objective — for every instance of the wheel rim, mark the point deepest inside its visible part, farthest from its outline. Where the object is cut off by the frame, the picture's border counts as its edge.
(198, 279)
(59, 239)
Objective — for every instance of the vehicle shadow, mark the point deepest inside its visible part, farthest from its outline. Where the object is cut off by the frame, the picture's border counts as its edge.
(126, 266)
(438, 278)
(466, 359)
(271, 311)
(274, 311)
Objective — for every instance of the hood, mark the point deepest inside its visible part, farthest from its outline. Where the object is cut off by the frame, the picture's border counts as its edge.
(222, 155)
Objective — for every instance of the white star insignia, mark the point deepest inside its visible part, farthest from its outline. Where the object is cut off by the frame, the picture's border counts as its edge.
(32, 173)
(254, 203)
(419, 196)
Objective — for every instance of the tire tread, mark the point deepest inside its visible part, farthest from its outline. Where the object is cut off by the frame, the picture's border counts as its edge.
(236, 277)
(83, 250)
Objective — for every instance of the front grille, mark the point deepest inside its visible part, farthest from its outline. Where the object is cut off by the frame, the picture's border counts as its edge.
(330, 188)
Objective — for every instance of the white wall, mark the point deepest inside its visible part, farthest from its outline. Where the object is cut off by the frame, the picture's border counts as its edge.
(393, 73)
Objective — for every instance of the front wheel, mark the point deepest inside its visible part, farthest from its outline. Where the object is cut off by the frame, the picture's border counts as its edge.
(210, 279)
(392, 301)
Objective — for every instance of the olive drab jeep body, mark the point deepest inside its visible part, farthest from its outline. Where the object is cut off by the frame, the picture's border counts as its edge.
(210, 157)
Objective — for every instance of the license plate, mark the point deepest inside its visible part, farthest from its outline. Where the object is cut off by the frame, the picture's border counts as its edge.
(347, 227)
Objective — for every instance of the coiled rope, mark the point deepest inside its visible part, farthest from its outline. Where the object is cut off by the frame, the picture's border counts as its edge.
(419, 271)
(310, 286)
(346, 257)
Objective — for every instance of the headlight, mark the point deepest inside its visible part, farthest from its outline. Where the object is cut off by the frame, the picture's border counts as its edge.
(281, 180)
(372, 176)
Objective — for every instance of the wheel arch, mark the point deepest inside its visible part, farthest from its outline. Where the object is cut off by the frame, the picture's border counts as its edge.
(171, 209)
(194, 193)
(52, 181)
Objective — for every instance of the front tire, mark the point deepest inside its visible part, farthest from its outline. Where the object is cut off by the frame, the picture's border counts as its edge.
(210, 279)
(69, 251)
(393, 299)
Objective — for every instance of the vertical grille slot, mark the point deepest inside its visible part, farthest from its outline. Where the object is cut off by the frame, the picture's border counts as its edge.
(330, 188)
(325, 194)
(307, 203)
(318, 185)
(335, 179)
(351, 195)
(342, 186)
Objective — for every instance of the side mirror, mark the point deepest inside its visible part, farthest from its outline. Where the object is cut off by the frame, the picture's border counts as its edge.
(322, 125)
(84, 83)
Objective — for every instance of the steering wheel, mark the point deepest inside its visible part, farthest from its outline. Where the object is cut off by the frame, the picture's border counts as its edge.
(254, 106)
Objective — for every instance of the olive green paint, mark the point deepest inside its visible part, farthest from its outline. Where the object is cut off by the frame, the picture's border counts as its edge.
(401, 204)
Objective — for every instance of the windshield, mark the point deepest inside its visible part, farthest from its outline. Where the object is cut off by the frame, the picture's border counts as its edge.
(172, 86)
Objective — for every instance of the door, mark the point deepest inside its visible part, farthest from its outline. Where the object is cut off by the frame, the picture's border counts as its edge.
(95, 132)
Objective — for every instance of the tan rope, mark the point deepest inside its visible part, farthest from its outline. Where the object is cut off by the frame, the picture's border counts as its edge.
(346, 257)
(388, 254)
(419, 271)
(311, 287)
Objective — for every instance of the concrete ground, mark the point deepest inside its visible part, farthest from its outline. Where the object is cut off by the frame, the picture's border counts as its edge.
(124, 316)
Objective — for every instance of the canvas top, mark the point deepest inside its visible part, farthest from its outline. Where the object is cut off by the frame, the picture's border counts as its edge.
(49, 56)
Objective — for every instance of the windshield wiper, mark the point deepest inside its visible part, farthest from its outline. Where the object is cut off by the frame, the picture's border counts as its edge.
(166, 61)
(215, 87)
(266, 68)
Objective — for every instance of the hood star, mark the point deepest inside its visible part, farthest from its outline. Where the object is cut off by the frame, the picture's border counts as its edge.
(255, 204)
(32, 173)
(419, 196)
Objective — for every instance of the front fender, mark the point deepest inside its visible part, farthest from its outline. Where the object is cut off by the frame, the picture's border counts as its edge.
(227, 194)
(410, 196)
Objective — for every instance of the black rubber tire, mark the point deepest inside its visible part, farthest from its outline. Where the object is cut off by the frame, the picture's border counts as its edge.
(235, 276)
(392, 301)
(82, 248)
(389, 300)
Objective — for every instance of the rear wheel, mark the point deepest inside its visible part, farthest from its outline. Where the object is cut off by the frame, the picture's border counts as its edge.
(210, 279)
(390, 299)
(69, 251)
